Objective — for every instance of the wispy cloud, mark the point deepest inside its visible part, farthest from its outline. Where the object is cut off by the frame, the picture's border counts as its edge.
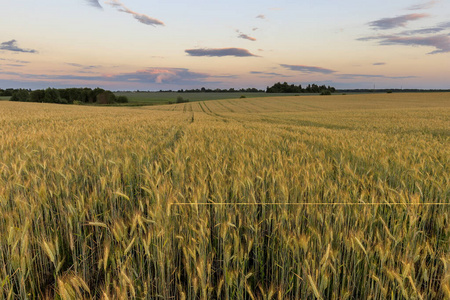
(86, 69)
(430, 30)
(14, 65)
(74, 65)
(144, 19)
(353, 76)
(15, 60)
(260, 16)
(82, 66)
(308, 69)
(225, 76)
(268, 74)
(445, 25)
(440, 42)
(12, 46)
(389, 23)
(239, 52)
(374, 37)
(94, 3)
(425, 5)
(245, 36)
(379, 64)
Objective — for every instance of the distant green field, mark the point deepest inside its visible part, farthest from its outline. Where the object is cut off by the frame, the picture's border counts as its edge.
(2, 98)
(154, 98)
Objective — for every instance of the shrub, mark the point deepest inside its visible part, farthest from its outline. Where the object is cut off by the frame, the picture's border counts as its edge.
(325, 92)
(106, 97)
(182, 100)
(122, 99)
(243, 97)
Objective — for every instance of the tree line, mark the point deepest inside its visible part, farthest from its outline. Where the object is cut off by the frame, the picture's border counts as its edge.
(6, 93)
(217, 90)
(66, 96)
(207, 90)
(292, 88)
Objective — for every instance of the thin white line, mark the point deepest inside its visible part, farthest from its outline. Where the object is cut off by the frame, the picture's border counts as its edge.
(312, 204)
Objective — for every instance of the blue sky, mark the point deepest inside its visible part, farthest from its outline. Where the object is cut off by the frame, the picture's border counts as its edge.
(174, 44)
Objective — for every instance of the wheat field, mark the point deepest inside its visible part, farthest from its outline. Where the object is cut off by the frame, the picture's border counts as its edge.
(333, 197)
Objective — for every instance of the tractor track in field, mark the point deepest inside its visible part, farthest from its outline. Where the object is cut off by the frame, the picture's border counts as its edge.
(224, 106)
(187, 108)
(209, 112)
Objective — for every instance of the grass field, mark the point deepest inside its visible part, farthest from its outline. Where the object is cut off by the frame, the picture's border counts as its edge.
(3, 98)
(155, 98)
(337, 197)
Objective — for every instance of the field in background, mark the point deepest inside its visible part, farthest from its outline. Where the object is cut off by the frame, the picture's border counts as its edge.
(227, 199)
(155, 98)
(2, 98)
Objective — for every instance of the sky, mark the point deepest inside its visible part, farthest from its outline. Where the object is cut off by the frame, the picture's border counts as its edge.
(183, 44)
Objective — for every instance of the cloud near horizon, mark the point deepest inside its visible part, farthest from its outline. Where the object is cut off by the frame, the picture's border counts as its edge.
(159, 75)
(144, 19)
(260, 16)
(220, 52)
(389, 23)
(308, 69)
(12, 46)
(180, 76)
(94, 3)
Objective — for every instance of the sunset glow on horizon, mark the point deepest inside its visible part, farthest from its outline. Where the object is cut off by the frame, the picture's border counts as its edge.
(173, 44)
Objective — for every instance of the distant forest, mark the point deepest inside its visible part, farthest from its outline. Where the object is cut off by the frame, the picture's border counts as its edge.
(291, 88)
(64, 96)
